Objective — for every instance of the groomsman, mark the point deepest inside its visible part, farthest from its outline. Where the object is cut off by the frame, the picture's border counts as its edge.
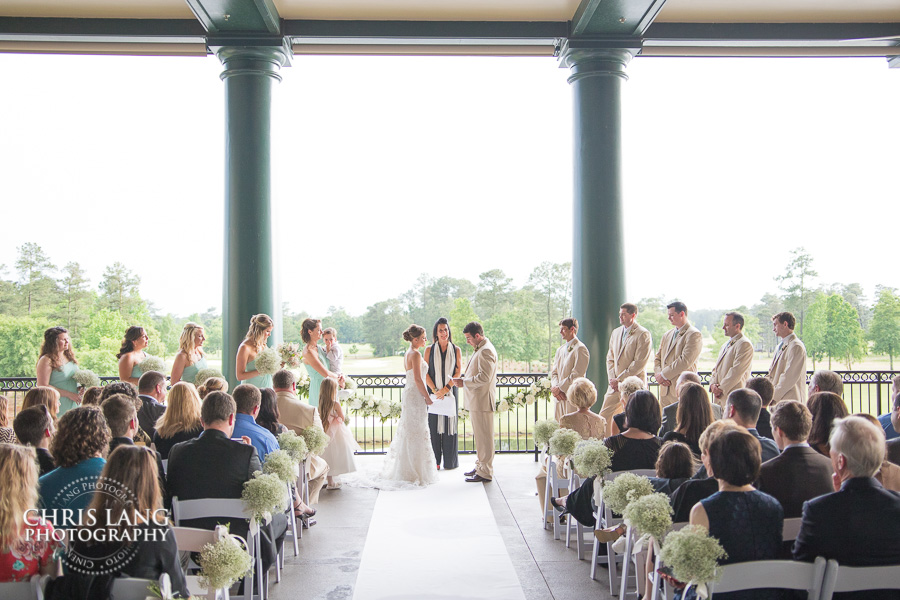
(678, 352)
(480, 386)
(570, 363)
(788, 370)
(630, 349)
(735, 360)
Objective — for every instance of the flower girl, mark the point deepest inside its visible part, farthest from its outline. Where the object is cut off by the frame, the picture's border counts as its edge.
(339, 451)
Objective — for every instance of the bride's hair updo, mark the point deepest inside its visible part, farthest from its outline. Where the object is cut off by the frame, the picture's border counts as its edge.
(413, 332)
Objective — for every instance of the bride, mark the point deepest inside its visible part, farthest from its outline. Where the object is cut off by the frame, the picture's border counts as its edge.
(410, 459)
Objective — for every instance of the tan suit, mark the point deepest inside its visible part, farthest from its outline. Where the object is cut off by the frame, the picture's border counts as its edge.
(480, 387)
(568, 365)
(733, 367)
(297, 415)
(788, 370)
(625, 358)
(676, 355)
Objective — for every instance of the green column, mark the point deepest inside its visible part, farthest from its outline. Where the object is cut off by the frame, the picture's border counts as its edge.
(598, 256)
(250, 74)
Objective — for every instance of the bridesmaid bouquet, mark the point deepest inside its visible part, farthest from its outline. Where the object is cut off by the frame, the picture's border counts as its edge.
(290, 354)
(152, 363)
(86, 378)
(205, 374)
(224, 563)
(268, 361)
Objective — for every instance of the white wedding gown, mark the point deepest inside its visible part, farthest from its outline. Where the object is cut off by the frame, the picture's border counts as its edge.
(410, 460)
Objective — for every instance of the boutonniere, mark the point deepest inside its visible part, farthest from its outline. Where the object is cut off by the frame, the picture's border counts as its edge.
(569, 348)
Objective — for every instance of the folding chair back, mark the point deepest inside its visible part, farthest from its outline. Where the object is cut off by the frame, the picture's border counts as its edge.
(857, 579)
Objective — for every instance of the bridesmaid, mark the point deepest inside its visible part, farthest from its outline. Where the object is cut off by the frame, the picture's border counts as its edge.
(191, 358)
(56, 367)
(255, 341)
(132, 353)
(314, 357)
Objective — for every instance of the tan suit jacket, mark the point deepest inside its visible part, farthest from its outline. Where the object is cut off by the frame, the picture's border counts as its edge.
(297, 415)
(788, 370)
(567, 367)
(624, 359)
(674, 359)
(733, 366)
(480, 380)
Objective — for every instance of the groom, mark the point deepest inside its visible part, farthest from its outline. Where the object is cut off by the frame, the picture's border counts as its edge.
(480, 385)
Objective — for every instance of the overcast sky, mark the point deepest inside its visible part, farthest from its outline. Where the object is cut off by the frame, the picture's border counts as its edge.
(385, 168)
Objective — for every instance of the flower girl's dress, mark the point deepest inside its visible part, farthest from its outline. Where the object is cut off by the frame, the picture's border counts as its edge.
(339, 451)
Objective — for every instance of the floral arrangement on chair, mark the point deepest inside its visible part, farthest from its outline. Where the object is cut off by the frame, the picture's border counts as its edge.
(290, 354)
(152, 363)
(543, 430)
(651, 517)
(294, 445)
(281, 463)
(564, 441)
(224, 563)
(624, 489)
(316, 439)
(591, 458)
(86, 378)
(263, 495)
(205, 374)
(267, 361)
(693, 556)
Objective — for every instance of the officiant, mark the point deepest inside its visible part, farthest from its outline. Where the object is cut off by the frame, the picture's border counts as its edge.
(444, 360)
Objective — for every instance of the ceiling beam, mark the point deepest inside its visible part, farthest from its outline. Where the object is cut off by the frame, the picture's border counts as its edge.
(746, 34)
(237, 16)
(619, 18)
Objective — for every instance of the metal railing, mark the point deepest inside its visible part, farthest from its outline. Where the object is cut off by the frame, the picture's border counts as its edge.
(864, 391)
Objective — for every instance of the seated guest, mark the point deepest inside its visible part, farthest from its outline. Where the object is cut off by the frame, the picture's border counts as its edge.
(129, 390)
(859, 524)
(670, 413)
(34, 428)
(247, 397)
(893, 445)
(734, 461)
(629, 385)
(7, 435)
(141, 520)
(693, 416)
(825, 381)
(743, 407)
(22, 552)
(889, 473)
(121, 418)
(214, 466)
(887, 420)
(636, 448)
(763, 386)
(46, 395)
(799, 473)
(675, 465)
(297, 416)
(181, 421)
(213, 384)
(694, 490)
(91, 396)
(268, 416)
(152, 394)
(79, 445)
(825, 407)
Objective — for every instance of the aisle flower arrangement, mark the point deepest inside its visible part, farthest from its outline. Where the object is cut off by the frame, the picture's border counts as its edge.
(543, 430)
(222, 564)
(205, 374)
(592, 458)
(651, 517)
(693, 556)
(564, 441)
(152, 363)
(263, 495)
(294, 445)
(316, 439)
(86, 378)
(290, 354)
(624, 489)
(281, 463)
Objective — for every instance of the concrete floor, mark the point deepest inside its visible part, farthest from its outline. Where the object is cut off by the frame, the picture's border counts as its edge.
(330, 551)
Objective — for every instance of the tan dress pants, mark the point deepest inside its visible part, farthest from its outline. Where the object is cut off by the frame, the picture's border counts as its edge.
(483, 428)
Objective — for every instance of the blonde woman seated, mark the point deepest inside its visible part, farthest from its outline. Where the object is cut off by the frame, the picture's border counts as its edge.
(181, 421)
(582, 394)
(626, 389)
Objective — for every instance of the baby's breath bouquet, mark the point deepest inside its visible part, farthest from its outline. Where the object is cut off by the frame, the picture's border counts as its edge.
(694, 556)
(281, 464)
(563, 442)
(205, 374)
(267, 361)
(294, 445)
(316, 439)
(624, 489)
(592, 458)
(86, 378)
(152, 363)
(223, 563)
(543, 430)
(290, 354)
(650, 515)
(263, 495)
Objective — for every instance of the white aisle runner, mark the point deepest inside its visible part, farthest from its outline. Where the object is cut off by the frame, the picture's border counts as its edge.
(438, 543)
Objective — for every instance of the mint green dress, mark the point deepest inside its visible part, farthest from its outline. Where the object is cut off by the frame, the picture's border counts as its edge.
(62, 379)
(190, 373)
(136, 370)
(260, 381)
(315, 380)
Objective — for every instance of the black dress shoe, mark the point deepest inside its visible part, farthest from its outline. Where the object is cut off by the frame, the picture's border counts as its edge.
(563, 511)
(477, 479)
(470, 473)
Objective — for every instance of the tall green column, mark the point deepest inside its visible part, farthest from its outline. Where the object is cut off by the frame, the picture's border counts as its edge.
(598, 256)
(249, 287)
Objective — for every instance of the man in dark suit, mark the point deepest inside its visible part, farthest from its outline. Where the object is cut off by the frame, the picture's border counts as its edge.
(893, 446)
(152, 392)
(742, 407)
(765, 389)
(859, 524)
(214, 466)
(799, 473)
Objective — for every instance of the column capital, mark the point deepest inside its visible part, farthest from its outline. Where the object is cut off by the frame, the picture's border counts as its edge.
(590, 58)
(253, 60)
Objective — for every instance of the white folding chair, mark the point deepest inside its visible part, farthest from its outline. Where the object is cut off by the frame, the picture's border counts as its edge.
(226, 508)
(857, 579)
(778, 574)
(629, 560)
(303, 483)
(190, 539)
(658, 584)
(556, 487)
(133, 588)
(573, 525)
(790, 529)
(23, 590)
